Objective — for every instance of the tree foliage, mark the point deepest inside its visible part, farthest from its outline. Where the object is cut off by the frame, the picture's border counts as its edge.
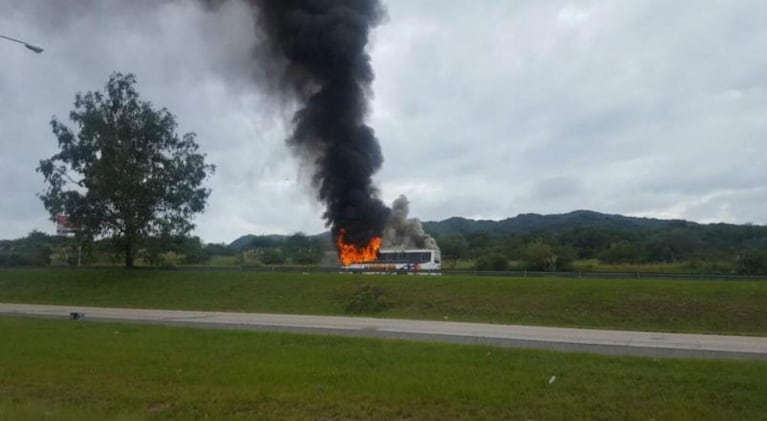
(123, 171)
(554, 242)
(492, 261)
(33, 250)
(302, 249)
(453, 246)
(752, 262)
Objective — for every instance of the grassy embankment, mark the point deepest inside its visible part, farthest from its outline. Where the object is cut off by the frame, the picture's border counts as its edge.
(583, 265)
(727, 307)
(594, 265)
(51, 369)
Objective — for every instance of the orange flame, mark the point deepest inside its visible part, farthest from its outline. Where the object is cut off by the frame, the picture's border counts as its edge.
(350, 253)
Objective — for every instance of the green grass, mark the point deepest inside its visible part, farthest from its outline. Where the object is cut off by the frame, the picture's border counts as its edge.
(53, 369)
(594, 265)
(729, 307)
(223, 261)
(460, 264)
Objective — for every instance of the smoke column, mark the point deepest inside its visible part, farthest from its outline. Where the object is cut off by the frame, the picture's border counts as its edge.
(405, 233)
(317, 48)
(309, 53)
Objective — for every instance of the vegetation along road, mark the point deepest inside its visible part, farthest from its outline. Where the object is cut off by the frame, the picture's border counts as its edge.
(566, 339)
(720, 307)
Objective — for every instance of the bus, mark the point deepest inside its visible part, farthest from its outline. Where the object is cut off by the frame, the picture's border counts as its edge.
(426, 261)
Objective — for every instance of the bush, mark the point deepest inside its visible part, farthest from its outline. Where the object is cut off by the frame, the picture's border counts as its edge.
(494, 261)
(272, 257)
(367, 299)
(752, 262)
(540, 256)
(621, 252)
(170, 259)
(249, 258)
(39, 256)
(307, 256)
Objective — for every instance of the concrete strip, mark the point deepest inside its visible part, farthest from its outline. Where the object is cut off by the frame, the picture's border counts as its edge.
(561, 339)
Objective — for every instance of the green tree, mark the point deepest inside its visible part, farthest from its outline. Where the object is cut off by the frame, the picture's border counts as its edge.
(453, 246)
(189, 250)
(302, 249)
(539, 255)
(32, 250)
(752, 262)
(621, 252)
(273, 256)
(124, 172)
(220, 249)
(493, 261)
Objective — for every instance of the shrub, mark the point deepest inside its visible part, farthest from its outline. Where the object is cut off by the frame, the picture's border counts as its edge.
(752, 262)
(170, 259)
(540, 256)
(273, 257)
(38, 256)
(367, 299)
(494, 261)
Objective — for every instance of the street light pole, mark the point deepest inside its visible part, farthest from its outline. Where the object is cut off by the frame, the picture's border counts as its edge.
(29, 46)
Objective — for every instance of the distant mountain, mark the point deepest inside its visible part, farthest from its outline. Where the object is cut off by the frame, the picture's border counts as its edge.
(250, 240)
(520, 224)
(531, 222)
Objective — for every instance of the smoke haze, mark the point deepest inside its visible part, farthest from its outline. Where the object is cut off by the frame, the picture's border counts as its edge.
(402, 232)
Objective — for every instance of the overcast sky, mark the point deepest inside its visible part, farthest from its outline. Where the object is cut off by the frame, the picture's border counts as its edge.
(484, 109)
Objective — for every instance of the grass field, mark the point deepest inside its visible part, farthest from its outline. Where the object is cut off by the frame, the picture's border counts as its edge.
(594, 265)
(52, 369)
(730, 307)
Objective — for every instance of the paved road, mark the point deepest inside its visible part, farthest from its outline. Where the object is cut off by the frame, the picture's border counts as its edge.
(563, 339)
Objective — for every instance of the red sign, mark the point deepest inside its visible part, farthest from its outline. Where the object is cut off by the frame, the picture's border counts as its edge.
(64, 225)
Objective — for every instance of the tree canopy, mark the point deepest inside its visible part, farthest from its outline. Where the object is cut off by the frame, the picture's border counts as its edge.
(123, 171)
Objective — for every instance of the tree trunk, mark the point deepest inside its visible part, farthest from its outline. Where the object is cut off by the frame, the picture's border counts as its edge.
(129, 253)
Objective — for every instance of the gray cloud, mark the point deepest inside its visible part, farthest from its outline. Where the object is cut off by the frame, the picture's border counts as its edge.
(642, 107)
(622, 98)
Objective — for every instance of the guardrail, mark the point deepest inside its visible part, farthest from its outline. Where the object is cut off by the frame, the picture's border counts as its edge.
(612, 275)
(508, 273)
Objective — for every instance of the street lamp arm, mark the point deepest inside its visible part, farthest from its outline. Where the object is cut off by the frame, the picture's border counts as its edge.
(29, 46)
(12, 39)
(34, 48)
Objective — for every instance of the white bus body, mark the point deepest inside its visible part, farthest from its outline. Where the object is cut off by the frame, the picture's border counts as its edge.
(401, 261)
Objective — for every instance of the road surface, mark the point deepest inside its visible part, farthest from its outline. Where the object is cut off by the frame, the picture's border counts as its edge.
(561, 339)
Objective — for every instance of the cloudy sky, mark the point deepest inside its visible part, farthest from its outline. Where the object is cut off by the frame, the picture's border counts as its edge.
(483, 109)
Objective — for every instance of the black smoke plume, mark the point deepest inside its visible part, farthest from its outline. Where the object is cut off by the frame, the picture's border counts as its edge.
(317, 48)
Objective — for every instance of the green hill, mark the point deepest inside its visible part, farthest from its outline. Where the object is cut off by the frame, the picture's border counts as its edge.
(273, 240)
(532, 222)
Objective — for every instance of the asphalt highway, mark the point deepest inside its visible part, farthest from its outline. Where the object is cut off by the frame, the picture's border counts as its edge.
(600, 341)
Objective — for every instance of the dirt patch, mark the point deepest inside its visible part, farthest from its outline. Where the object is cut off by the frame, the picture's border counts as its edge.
(159, 407)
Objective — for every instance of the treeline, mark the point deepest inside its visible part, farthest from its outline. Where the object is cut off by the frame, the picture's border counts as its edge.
(296, 249)
(35, 249)
(722, 248)
(40, 249)
(598, 245)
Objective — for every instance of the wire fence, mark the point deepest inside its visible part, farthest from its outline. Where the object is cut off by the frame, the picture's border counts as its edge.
(508, 273)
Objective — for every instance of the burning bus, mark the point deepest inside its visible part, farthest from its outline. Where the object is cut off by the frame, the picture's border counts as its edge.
(404, 247)
(426, 261)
